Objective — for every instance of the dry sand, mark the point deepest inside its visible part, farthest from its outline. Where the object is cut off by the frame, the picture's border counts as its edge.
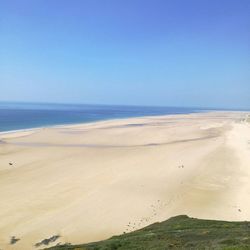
(88, 182)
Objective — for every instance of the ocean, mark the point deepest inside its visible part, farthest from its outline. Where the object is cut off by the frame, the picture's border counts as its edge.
(17, 116)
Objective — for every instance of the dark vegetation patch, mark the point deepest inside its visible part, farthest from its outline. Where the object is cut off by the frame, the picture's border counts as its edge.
(13, 240)
(47, 241)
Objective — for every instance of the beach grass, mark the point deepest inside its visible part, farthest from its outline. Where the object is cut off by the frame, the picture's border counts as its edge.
(248, 118)
(180, 232)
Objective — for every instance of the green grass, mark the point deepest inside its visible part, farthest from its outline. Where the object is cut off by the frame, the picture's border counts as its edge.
(180, 232)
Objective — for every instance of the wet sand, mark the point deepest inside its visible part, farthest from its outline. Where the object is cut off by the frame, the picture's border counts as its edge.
(88, 182)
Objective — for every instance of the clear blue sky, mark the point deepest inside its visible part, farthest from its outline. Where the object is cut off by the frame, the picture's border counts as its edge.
(153, 52)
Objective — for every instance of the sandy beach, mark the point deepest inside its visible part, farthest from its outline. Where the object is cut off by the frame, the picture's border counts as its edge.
(88, 182)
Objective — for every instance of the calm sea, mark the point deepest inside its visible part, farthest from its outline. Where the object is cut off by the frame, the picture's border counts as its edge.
(15, 116)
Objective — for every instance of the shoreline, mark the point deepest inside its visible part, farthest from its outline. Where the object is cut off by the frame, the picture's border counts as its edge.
(83, 123)
(88, 116)
(62, 125)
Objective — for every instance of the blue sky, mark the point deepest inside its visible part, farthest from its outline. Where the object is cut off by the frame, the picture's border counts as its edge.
(140, 52)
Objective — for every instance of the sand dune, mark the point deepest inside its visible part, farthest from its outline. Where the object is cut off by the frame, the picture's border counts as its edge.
(88, 182)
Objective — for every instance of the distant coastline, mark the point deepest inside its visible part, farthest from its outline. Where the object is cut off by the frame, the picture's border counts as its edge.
(16, 117)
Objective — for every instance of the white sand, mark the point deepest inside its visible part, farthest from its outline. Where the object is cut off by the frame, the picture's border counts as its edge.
(88, 182)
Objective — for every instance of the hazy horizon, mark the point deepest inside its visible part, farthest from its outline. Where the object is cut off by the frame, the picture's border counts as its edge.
(129, 105)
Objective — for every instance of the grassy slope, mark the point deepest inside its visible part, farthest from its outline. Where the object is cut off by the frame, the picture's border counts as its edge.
(180, 232)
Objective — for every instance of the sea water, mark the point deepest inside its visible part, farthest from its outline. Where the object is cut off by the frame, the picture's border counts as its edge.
(16, 116)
